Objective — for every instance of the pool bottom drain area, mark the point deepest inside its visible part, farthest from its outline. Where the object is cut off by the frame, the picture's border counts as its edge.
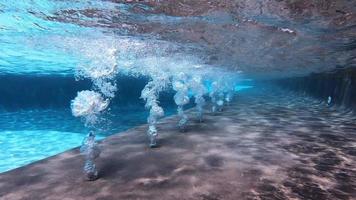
(268, 144)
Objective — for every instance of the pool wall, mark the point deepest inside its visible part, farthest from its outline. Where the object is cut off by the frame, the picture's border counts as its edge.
(56, 91)
(340, 85)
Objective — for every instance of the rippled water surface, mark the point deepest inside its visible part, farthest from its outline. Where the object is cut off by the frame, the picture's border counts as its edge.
(257, 37)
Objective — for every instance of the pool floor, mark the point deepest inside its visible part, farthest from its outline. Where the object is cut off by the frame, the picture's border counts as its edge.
(267, 145)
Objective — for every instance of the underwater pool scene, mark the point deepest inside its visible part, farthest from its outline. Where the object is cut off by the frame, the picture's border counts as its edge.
(177, 100)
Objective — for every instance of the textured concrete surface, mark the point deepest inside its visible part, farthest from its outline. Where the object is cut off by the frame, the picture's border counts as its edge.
(263, 146)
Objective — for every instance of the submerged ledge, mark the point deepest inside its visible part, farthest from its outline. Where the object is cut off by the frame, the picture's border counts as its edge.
(276, 146)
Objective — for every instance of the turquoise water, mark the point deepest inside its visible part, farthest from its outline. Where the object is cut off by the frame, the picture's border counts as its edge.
(31, 135)
(26, 146)
(44, 42)
(33, 45)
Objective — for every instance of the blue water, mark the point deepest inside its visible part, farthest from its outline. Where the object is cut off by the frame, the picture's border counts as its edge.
(34, 132)
(36, 121)
(40, 52)
(30, 135)
(35, 118)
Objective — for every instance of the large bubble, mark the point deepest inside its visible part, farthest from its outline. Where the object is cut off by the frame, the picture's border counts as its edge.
(88, 103)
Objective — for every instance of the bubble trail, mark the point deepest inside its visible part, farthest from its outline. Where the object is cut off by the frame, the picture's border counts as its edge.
(150, 94)
(198, 90)
(181, 98)
(101, 69)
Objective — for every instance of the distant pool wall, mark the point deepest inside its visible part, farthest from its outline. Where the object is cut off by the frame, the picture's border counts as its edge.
(340, 85)
(56, 91)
